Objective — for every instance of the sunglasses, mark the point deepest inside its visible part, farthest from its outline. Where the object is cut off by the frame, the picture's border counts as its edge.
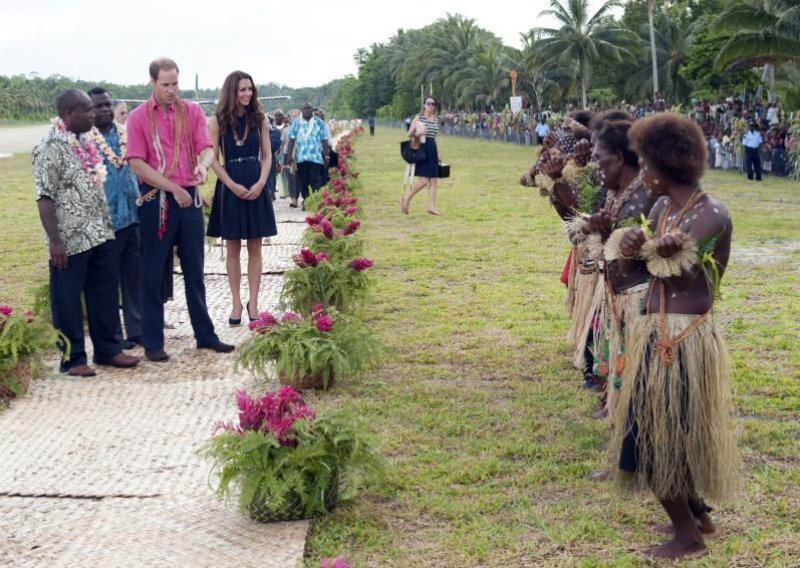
(430, 104)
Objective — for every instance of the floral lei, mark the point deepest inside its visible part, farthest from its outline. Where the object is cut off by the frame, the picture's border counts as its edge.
(86, 151)
(118, 161)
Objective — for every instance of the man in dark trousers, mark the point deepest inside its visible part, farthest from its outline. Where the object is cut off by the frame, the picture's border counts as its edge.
(752, 147)
(371, 122)
(68, 175)
(169, 150)
(122, 191)
(309, 145)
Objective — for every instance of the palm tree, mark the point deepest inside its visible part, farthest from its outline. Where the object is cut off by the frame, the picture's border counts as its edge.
(668, 45)
(582, 38)
(484, 79)
(653, 58)
(764, 32)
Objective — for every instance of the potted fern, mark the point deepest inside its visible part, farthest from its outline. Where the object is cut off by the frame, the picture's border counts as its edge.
(287, 461)
(23, 342)
(309, 352)
(320, 279)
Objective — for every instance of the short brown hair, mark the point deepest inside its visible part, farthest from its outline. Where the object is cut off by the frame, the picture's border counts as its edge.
(162, 64)
(672, 145)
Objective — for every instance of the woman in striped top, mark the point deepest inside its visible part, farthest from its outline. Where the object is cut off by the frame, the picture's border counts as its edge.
(424, 129)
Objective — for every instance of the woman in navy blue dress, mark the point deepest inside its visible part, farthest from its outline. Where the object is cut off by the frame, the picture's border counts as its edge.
(242, 209)
(424, 129)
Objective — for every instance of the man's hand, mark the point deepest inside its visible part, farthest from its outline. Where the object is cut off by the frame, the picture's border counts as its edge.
(287, 161)
(326, 161)
(58, 254)
(182, 197)
(600, 222)
(632, 242)
(669, 245)
(201, 173)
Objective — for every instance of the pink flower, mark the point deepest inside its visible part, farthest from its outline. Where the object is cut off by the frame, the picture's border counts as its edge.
(291, 316)
(338, 562)
(313, 220)
(327, 228)
(351, 227)
(338, 185)
(6, 310)
(322, 257)
(317, 310)
(251, 413)
(361, 264)
(324, 323)
(29, 317)
(305, 258)
(265, 321)
(350, 211)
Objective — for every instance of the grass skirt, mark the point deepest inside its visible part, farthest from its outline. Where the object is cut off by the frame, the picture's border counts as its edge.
(676, 419)
(619, 322)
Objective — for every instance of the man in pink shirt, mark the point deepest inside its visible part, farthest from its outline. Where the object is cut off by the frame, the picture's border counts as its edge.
(169, 150)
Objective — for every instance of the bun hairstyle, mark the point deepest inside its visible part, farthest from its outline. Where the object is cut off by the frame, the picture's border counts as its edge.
(672, 145)
(615, 136)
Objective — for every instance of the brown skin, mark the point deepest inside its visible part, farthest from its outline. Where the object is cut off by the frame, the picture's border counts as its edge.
(77, 119)
(165, 89)
(686, 294)
(616, 176)
(429, 110)
(103, 112)
(307, 112)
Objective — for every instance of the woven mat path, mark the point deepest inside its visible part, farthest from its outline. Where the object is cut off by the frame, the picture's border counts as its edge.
(103, 471)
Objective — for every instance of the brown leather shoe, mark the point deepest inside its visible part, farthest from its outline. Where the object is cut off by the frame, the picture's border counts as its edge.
(121, 361)
(81, 371)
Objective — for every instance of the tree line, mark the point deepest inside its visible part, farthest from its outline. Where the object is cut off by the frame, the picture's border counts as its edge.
(684, 49)
(33, 98)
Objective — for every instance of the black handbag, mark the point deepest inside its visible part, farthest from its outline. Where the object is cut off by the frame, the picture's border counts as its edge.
(444, 170)
(411, 155)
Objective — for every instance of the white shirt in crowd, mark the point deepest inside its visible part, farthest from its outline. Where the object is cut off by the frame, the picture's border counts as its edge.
(752, 139)
(542, 130)
(773, 116)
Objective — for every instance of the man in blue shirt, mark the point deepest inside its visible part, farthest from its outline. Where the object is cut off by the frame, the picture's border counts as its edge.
(309, 145)
(121, 190)
(752, 147)
(542, 130)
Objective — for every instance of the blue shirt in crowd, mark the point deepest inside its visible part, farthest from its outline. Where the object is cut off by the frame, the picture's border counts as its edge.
(121, 186)
(308, 137)
(752, 139)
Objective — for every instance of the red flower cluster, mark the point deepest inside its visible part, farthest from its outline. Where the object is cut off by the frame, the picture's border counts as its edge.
(351, 227)
(324, 323)
(264, 322)
(6, 310)
(361, 264)
(274, 413)
(308, 258)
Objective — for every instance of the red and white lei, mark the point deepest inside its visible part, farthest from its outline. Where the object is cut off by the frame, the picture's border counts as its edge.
(86, 150)
(118, 161)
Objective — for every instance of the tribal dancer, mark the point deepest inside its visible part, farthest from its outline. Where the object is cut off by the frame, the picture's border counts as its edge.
(672, 422)
(622, 291)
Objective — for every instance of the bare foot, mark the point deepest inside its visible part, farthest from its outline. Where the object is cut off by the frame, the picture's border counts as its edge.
(704, 524)
(434, 212)
(403, 205)
(676, 550)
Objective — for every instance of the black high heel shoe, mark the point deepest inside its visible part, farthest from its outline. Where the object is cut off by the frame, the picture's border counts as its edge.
(250, 317)
(238, 321)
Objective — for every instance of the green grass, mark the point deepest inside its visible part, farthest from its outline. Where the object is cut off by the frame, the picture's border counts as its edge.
(488, 436)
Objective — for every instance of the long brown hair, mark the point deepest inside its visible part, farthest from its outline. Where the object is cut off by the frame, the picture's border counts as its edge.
(228, 104)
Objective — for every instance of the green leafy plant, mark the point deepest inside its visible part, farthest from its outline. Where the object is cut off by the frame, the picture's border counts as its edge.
(308, 352)
(318, 279)
(288, 462)
(23, 341)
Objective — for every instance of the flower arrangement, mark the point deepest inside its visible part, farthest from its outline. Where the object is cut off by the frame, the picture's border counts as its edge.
(288, 461)
(309, 352)
(118, 161)
(318, 279)
(86, 150)
(23, 341)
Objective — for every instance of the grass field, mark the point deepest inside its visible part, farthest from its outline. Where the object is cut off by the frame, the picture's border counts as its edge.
(481, 417)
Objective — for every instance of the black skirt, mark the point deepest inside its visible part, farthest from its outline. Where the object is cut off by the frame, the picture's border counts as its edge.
(429, 167)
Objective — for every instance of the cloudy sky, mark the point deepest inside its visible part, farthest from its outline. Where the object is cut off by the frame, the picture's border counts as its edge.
(313, 44)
